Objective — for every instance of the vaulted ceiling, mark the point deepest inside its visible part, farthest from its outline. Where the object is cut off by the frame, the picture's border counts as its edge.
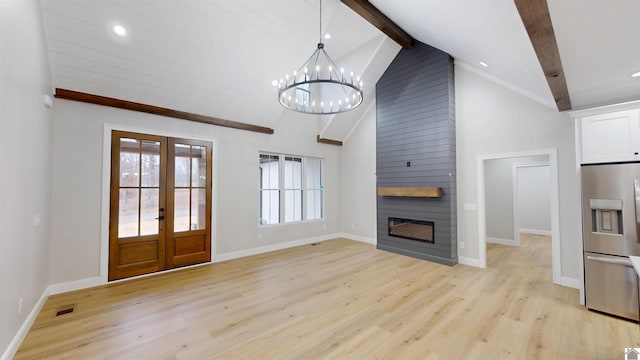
(219, 57)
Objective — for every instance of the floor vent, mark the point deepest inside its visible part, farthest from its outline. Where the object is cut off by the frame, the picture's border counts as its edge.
(67, 309)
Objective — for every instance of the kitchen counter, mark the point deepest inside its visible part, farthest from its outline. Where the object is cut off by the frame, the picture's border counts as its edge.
(635, 260)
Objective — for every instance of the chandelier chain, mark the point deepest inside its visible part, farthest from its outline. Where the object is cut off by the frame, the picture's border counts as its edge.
(320, 20)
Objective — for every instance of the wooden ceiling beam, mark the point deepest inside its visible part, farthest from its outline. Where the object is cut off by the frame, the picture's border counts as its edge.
(322, 140)
(537, 21)
(370, 13)
(151, 109)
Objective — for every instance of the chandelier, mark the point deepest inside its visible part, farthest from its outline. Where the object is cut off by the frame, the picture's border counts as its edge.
(319, 86)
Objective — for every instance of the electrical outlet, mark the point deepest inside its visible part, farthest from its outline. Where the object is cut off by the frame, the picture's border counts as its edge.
(353, 226)
(324, 226)
(259, 236)
(461, 245)
(36, 220)
(20, 305)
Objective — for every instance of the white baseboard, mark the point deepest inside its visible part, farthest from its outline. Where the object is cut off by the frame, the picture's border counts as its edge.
(264, 249)
(73, 285)
(363, 239)
(13, 347)
(470, 261)
(536, 232)
(500, 241)
(569, 282)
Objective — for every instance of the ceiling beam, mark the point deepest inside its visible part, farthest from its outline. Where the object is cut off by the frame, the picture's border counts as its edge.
(370, 13)
(151, 109)
(537, 21)
(328, 141)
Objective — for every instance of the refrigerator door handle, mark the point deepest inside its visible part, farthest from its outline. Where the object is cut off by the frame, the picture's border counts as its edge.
(625, 262)
(636, 194)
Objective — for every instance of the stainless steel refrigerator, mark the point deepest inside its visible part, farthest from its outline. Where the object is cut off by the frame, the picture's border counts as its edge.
(611, 225)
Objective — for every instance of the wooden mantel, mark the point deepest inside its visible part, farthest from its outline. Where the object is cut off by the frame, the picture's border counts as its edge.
(432, 192)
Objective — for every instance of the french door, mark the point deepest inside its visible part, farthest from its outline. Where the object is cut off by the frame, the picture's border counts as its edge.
(160, 210)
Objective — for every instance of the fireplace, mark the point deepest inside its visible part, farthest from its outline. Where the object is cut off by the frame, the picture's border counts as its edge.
(411, 229)
(416, 156)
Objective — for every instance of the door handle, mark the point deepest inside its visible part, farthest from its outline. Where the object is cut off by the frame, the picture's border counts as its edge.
(636, 194)
(625, 262)
(161, 217)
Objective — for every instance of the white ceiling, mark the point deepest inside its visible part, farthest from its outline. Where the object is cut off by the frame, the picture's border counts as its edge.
(219, 57)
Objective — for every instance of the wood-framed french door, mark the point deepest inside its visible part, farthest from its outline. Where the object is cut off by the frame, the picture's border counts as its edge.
(160, 203)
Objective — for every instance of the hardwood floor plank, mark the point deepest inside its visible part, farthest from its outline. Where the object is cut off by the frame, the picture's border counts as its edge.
(339, 299)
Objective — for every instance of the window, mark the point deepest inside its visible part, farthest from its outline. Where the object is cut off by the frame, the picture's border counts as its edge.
(291, 188)
(269, 189)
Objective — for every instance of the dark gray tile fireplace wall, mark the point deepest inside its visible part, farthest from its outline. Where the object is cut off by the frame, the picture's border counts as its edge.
(416, 147)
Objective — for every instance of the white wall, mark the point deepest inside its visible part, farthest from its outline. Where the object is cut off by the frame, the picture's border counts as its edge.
(534, 211)
(358, 180)
(25, 148)
(491, 119)
(499, 195)
(77, 182)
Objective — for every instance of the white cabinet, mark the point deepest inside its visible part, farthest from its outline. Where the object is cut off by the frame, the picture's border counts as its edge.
(611, 137)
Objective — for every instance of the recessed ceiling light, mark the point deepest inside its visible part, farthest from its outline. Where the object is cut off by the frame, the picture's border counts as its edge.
(484, 64)
(119, 30)
(636, 74)
(327, 36)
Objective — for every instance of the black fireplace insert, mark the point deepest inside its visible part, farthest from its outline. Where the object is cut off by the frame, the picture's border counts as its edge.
(411, 229)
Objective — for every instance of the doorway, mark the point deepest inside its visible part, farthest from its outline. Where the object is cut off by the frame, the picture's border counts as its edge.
(552, 156)
(160, 203)
(531, 199)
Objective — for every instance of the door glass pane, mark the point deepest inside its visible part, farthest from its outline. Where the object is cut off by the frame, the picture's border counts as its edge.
(149, 211)
(199, 166)
(129, 162)
(128, 213)
(150, 163)
(181, 210)
(182, 167)
(198, 209)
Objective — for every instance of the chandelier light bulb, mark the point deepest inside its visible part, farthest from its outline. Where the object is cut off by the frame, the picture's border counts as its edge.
(120, 30)
(274, 83)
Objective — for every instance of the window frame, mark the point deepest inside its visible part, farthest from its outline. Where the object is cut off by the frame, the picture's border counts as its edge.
(282, 189)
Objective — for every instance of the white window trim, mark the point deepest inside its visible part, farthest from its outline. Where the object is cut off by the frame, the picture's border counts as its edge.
(305, 189)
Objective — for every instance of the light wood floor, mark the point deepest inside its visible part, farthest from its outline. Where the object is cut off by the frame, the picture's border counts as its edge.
(339, 299)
